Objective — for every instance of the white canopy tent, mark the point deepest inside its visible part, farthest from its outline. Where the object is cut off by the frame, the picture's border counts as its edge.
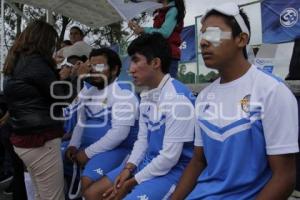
(93, 13)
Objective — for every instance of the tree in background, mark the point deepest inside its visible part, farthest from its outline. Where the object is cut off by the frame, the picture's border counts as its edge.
(116, 33)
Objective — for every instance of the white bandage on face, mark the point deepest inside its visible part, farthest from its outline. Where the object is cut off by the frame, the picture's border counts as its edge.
(99, 67)
(66, 63)
(214, 35)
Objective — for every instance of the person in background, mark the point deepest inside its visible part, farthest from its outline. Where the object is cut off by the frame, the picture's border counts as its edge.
(246, 121)
(30, 72)
(168, 21)
(76, 34)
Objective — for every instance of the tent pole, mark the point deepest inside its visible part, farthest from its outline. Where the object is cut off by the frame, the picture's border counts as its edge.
(2, 45)
(250, 3)
(17, 10)
(50, 17)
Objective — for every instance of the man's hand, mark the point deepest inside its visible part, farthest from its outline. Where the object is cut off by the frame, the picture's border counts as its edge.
(109, 194)
(126, 187)
(135, 27)
(71, 153)
(65, 73)
(123, 176)
(84, 68)
(81, 158)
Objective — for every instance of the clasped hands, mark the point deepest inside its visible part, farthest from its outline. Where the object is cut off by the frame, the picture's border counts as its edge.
(123, 184)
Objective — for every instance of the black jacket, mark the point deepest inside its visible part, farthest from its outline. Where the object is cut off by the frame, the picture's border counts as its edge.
(27, 92)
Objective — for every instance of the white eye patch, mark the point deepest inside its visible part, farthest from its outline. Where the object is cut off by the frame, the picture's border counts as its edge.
(99, 67)
(214, 35)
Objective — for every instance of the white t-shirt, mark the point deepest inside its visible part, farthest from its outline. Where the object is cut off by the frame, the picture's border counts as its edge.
(238, 125)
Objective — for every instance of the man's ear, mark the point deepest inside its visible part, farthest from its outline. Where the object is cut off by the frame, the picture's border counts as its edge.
(115, 71)
(242, 40)
(156, 62)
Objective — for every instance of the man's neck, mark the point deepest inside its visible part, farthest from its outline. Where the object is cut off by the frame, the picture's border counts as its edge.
(234, 70)
(156, 81)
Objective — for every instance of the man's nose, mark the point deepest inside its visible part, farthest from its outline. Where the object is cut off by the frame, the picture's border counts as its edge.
(203, 43)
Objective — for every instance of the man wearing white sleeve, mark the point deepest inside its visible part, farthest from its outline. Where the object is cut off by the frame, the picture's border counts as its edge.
(107, 119)
(166, 129)
(247, 121)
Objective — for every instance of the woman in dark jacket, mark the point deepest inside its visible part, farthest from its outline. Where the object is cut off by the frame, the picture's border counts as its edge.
(29, 76)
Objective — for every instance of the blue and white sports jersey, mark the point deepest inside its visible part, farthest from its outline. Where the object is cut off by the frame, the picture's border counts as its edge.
(166, 119)
(70, 112)
(238, 125)
(100, 110)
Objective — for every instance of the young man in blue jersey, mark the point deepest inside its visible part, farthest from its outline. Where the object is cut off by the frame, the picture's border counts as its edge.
(107, 119)
(166, 129)
(247, 123)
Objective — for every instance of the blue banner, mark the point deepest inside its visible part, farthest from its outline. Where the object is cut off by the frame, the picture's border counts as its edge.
(280, 20)
(188, 52)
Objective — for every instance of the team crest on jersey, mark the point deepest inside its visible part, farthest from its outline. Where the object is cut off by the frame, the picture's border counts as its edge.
(245, 103)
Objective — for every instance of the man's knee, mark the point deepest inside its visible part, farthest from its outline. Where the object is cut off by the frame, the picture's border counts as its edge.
(86, 182)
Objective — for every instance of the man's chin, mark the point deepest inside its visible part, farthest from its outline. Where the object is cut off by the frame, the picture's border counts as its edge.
(210, 65)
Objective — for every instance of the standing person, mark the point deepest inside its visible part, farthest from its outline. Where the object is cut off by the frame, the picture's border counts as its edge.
(168, 21)
(30, 72)
(107, 116)
(247, 121)
(166, 129)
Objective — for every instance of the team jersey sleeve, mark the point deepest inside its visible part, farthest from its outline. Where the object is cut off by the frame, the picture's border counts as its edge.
(124, 115)
(141, 145)
(161, 164)
(280, 121)
(198, 138)
(109, 141)
(78, 129)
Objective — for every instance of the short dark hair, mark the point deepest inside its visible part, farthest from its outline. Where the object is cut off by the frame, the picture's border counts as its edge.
(67, 42)
(77, 28)
(82, 58)
(113, 59)
(152, 45)
(230, 21)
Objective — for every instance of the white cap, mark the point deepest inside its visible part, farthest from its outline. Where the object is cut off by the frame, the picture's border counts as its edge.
(231, 9)
(80, 48)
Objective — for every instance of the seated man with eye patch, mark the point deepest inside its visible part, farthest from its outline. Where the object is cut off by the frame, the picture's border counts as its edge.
(246, 130)
(107, 113)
